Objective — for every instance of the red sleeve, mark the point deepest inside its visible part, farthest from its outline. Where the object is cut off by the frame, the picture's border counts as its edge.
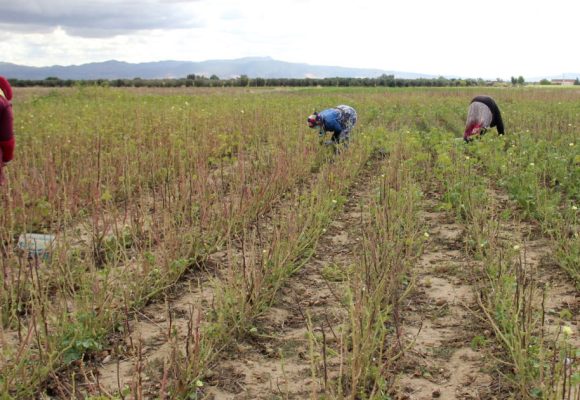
(6, 120)
(7, 150)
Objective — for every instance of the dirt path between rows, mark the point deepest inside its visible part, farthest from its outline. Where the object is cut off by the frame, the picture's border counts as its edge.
(443, 323)
(157, 333)
(295, 352)
(438, 324)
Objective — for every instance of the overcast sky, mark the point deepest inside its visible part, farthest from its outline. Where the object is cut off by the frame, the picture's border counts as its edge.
(487, 39)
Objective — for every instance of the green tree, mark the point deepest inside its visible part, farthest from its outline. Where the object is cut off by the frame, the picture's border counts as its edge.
(244, 80)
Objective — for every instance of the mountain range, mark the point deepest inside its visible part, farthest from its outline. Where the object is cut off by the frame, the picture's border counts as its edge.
(253, 67)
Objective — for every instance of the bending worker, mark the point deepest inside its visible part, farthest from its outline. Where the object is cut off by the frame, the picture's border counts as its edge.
(483, 113)
(339, 120)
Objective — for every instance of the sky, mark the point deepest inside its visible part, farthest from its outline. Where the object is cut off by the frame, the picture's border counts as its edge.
(469, 39)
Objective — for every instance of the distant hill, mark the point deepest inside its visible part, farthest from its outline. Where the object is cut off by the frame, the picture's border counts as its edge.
(253, 67)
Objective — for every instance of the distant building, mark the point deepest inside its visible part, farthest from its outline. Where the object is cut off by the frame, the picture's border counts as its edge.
(563, 82)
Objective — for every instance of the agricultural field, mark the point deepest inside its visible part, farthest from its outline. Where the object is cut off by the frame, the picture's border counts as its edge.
(208, 247)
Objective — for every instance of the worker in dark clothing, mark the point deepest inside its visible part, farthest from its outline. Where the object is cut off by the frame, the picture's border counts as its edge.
(339, 120)
(6, 126)
(483, 114)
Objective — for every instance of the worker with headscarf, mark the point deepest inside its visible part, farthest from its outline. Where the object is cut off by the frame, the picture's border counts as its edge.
(483, 113)
(339, 120)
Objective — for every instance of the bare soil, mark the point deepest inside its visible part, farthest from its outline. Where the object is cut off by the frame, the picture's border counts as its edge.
(155, 333)
(443, 324)
(442, 332)
(438, 324)
(283, 360)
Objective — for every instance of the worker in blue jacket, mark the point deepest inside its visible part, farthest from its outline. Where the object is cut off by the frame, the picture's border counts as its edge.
(339, 120)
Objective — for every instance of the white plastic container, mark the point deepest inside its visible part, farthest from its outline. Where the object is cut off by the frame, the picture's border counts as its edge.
(36, 244)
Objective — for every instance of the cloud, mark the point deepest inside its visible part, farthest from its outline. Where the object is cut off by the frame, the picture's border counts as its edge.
(99, 18)
(449, 37)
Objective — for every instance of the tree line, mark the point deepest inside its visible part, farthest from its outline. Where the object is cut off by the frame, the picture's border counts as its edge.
(193, 80)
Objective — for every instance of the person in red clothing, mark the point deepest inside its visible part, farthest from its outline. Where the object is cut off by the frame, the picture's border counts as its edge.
(6, 126)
